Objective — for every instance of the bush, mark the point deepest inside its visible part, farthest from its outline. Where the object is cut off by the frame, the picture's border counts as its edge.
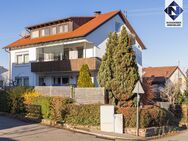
(4, 107)
(16, 99)
(29, 96)
(57, 105)
(83, 114)
(84, 78)
(150, 116)
(44, 103)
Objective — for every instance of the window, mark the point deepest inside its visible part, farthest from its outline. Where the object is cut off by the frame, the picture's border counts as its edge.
(53, 30)
(26, 58)
(66, 54)
(45, 32)
(22, 81)
(19, 59)
(65, 80)
(57, 81)
(63, 28)
(66, 29)
(117, 26)
(41, 81)
(80, 52)
(18, 81)
(22, 59)
(26, 81)
(35, 34)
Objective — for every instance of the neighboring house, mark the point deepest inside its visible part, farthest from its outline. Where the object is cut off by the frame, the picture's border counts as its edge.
(3, 76)
(159, 76)
(53, 52)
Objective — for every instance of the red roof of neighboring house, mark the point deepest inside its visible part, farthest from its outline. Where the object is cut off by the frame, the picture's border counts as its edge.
(159, 71)
(81, 31)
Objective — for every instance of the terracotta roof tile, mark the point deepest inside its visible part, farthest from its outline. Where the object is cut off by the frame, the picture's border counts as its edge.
(79, 32)
(159, 71)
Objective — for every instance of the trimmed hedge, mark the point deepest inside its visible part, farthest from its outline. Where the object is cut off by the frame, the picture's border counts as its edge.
(4, 106)
(83, 114)
(150, 116)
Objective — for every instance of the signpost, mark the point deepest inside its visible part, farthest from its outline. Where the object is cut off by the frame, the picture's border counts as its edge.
(138, 90)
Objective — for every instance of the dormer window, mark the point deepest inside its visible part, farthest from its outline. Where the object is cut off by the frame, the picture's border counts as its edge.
(45, 32)
(54, 30)
(63, 28)
(35, 34)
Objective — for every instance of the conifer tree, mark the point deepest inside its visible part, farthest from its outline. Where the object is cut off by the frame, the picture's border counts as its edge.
(125, 69)
(84, 78)
(105, 74)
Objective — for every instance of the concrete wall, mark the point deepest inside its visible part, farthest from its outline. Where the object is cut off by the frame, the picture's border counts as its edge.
(89, 95)
(54, 91)
(80, 95)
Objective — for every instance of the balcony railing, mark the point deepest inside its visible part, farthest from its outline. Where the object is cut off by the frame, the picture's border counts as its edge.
(65, 65)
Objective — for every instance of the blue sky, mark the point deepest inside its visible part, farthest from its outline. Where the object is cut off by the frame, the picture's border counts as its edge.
(165, 46)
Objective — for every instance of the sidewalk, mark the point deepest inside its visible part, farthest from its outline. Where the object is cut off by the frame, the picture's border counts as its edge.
(108, 135)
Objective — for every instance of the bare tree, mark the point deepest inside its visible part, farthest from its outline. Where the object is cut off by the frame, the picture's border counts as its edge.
(170, 92)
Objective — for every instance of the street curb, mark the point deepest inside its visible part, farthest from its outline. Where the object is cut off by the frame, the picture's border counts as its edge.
(82, 131)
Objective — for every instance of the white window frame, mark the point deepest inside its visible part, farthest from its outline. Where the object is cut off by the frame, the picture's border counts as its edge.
(35, 34)
(23, 61)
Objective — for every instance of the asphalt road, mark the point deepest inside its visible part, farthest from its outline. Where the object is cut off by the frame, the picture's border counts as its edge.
(15, 130)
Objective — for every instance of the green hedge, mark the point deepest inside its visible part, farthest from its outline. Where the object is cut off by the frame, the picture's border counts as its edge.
(55, 108)
(4, 106)
(83, 114)
(12, 100)
(149, 116)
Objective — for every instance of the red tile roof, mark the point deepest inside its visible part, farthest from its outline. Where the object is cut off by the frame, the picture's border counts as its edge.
(159, 71)
(79, 32)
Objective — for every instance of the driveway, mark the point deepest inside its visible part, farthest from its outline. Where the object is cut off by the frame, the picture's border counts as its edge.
(15, 130)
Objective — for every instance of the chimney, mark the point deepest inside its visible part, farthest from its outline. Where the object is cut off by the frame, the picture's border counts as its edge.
(97, 13)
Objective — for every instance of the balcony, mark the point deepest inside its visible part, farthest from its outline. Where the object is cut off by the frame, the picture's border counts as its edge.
(65, 65)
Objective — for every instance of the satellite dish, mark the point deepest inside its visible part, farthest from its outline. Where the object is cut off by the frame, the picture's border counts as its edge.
(24, 33)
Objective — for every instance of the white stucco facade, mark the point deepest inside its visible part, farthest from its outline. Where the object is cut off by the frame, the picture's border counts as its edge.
(94, 46)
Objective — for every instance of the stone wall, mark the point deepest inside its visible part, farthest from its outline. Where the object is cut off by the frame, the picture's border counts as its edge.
(152, 131)
(80, 95)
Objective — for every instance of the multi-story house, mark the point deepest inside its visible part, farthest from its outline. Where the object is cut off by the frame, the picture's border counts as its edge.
(53, 52)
